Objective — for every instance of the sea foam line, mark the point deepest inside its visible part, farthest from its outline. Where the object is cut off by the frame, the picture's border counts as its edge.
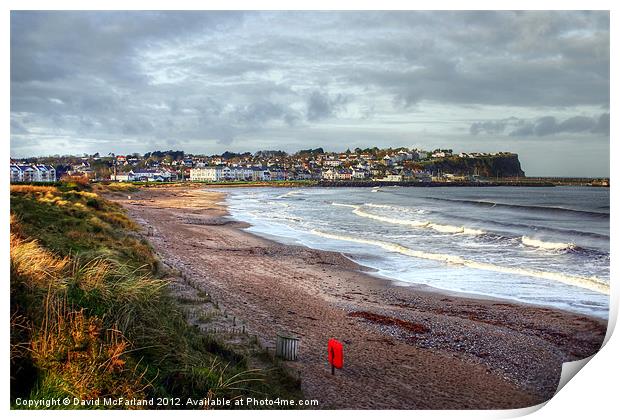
(413, 223)
(590, 283)
(344, 205)
(288, 194)
(396, 208)
(536, 243)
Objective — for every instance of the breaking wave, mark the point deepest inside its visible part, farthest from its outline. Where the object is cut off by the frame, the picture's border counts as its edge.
(344, 205)
(413, 223)
(418, 224)
(557, 246)
(590, 283)
(544, 209)
(395, 208)
(288, 194)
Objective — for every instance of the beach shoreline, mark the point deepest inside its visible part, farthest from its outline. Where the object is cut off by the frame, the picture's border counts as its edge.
(411, 347)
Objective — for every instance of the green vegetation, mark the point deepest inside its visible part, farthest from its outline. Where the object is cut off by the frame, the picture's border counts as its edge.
(274, 183)
(136, 185)
(506, 165)
(91, 317)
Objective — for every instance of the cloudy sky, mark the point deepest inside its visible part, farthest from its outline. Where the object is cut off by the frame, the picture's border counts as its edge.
(534, 83)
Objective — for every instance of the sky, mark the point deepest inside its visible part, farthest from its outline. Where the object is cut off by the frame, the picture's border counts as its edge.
(534, 83)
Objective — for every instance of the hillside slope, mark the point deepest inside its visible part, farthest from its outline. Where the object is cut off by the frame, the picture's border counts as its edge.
(505, 165)
(92, 316)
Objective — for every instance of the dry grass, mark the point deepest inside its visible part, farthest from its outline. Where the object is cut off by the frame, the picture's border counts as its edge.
(33, 189)
(116, 187)
(79, 180)
(89, 317)
(120, 220)
(82, 358)
(79, 356)
(36, 265)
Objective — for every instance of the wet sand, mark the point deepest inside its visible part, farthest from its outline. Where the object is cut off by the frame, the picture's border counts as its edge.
(406, 347)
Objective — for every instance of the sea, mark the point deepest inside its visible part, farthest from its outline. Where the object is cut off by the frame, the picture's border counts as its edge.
(546, 246)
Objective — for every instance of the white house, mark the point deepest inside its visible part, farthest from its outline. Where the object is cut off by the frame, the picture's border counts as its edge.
(343, 174)
(221, 173)
(47, 173)
(278, 174)
(441, 154)
(392, 178)
(329, 174)
(241, 173)
(402, 156)
(333, 162)
(151, 175)
(121, 177)
(303, 174)
(421, 155)
(359, 173)
(33, 173)
(209, 173)
(333, 174)
(260, 174)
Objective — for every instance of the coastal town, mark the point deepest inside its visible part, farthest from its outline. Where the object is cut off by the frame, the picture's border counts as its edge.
(390, 165)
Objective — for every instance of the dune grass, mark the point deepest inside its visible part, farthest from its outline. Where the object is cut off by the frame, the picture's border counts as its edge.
(91, 319)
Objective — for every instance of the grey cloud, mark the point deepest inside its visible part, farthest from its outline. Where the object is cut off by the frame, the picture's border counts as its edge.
(210, 78)
(492, 126)
(260, 112)
(232, 66)
(602, 125)
(523, 131)
(68, 42)
(549, 125)
(321, 106)
(545, 126)
(139, 126)
(292, 119)
(492, 82)
(17, 127)
(577, 124)
(501, 58)
(223, 134)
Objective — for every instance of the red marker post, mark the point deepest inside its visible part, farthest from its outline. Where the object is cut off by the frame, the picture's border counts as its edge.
(335, 354)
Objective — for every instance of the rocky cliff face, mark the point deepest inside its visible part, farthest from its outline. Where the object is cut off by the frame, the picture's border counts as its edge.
(506, 165)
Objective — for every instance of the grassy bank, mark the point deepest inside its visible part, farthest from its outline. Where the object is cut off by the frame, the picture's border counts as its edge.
(92, 318)
(135, 185)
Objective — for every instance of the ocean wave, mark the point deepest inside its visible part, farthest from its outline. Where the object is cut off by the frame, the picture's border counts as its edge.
(590, 283)
(556, 246)
(413, 223)
(379, 206)
(288, 194)
(539, 228)
(418, 224)
(545, 209)
(395, 208)
(455, 229)
(344, 205)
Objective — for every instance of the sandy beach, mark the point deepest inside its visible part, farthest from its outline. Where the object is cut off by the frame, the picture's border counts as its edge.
(406, 347)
